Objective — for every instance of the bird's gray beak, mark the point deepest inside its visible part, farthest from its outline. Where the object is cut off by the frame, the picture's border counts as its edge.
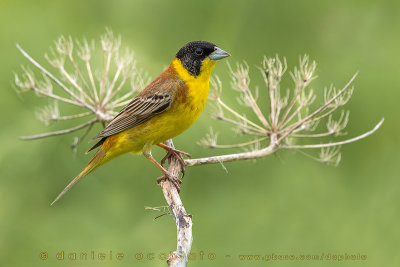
(218, 54)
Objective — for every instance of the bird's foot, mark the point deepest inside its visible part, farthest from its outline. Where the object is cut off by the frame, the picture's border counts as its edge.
(178, 155)
(174, 180)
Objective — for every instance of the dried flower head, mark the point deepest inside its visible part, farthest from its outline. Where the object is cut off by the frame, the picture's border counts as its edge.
(98, 93)
(291, 115)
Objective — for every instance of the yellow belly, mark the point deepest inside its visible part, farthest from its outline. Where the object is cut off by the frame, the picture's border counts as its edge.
(178, 118)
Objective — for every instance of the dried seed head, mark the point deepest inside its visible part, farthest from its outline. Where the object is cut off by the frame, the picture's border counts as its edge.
(283, 101)
(85, 49)
(273, 69)
(210, 140)
(336, 127)
(101, 90)
(217, 113)
(44, 86)
(125, 62)
(330, 155)
(240, 77)
(306, 99)
(26, 82)
(48, 114)
(64, 46)
(109, 43)
(303, 75)
(215, 88)
(55, 59)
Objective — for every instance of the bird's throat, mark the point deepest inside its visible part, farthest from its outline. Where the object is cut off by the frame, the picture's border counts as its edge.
(205, 70)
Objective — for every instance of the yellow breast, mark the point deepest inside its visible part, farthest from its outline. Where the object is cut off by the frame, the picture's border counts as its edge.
(198, 87)
(184, 111)
(185, 108)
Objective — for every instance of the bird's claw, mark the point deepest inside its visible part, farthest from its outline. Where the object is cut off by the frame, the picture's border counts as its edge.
(178, 155)
(174, 180)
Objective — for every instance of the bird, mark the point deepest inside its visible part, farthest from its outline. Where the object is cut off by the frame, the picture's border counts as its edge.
(164, 109)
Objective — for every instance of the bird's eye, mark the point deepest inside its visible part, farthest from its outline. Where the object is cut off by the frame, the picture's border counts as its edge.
(198, 51)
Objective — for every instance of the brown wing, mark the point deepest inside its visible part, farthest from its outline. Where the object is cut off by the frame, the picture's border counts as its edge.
(139, 110)
(154, 99)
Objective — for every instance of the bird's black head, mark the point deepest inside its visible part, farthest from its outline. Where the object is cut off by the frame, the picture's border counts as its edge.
(193, 54)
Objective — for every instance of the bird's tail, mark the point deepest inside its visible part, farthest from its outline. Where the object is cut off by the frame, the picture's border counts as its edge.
(96, 161)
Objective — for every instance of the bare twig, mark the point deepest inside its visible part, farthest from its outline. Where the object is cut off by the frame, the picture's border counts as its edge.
(312, 135)
(241, 144)
(182, 219)
(75, 116)
(245, 128)
(273, 147)
(241, 117)
(78, 140)
(351, 140)
(61, 132)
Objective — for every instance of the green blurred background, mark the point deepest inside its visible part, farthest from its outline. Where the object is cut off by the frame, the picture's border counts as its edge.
(283, 205)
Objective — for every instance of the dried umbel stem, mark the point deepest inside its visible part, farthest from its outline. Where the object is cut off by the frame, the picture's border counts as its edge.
(182, 219)
(292, 114)
(98, 93)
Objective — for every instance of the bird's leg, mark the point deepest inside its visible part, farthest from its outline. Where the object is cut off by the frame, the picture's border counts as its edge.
(167, 176)
(176, 153)
(174, 180)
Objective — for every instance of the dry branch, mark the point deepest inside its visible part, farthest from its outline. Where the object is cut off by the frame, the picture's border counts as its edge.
(182, 219)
